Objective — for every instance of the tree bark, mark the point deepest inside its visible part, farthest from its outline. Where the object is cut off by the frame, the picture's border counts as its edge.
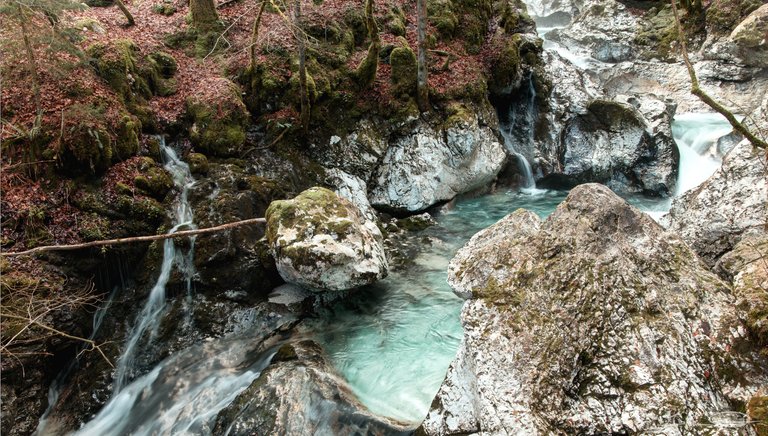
(204, 15)
(304, 98)
(150, 238)
(422, 90)
(366, 71)
(703, 96)
(255, 33)
(126, 12)
(33, 71)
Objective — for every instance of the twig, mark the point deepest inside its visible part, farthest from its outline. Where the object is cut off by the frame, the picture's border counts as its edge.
(135, 238)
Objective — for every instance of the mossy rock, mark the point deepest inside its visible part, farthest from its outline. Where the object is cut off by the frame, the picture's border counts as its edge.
(757, 410)
(219, 119)
(658, 33)
(507, 67)
(265, 89)
(118, 64)
(142, 208)
(395, 21)
(166, 9)
(155, 181)
(722, 16)
(127, 141)
(165, 62)
(403, 62)
(443, 18)
(198, 163)
(515, 18)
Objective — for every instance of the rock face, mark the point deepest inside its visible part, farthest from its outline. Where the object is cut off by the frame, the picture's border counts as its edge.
(300, 393)
(594, 321)
(750, 39)
(729, 205)
(606, 28)
(613, 143)
(429, 165)
(322, 242)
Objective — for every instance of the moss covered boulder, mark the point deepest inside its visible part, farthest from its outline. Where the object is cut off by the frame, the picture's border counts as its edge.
(403, 62)
(593, 321)
(322, 242)
(751, 38)
(219, 119)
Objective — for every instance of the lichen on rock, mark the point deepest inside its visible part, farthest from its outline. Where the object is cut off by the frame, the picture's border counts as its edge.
(322, 242)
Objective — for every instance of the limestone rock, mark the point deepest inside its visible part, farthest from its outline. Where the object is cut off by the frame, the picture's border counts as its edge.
(613, 143)
(428, 166)
(300, 393)
(594, 321)
(322, 242)
(729, 205)
(751, 38)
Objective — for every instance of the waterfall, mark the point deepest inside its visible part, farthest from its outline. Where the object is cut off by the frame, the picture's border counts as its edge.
(697, 136)
(150, 316)
(518, 123)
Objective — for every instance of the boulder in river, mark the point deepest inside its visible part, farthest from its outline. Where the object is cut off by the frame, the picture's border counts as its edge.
(323, 242)
(729, 205)
(300, 393)
(594, 321)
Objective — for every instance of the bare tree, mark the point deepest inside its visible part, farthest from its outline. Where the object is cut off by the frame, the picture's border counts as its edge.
(422, 90)
(204, 15)
(700, 93)
(255, 32)
(126, 12)
(302, 46)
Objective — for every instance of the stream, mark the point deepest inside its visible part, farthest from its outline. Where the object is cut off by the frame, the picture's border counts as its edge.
(392, 341)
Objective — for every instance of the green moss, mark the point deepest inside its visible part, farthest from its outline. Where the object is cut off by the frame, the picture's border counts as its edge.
(219, 121)
(127, 141)
(143, 208)
(198, 163)
(395, 21)
(723, 16)
(93, 227)
(155, 181)
(403, 62)
(117, 64)
(514, 18)
(316, 208)
(264, 87)
(164, 8)
(507, 67)
(757, 410)
(443, 18)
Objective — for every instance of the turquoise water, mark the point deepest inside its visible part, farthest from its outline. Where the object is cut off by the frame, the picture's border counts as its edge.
(394, 341)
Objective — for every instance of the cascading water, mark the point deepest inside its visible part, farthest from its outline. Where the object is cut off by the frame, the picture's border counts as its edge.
(150, 316)
(517, 123)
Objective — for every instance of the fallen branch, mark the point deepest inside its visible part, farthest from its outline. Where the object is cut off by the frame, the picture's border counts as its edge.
(135, 238)
(703, 96)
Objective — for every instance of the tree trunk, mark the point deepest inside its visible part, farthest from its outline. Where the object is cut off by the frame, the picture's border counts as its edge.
(33, 72)
(126, 12)
(366, 71)
(422, 90)
(204, 15)
(706, 98)
(302, 67)
(255, 33)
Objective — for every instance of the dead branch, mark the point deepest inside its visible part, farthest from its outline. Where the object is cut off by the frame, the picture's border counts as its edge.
(703, 96)
(150, 238)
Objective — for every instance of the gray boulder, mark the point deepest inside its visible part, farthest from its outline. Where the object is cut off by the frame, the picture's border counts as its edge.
(300, 393)
(430, 165)
(729, 205)
(594, 321)
(323, 242)
(613, 143)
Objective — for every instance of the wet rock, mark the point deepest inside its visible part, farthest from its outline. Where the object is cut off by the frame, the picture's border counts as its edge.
(593, 321)
(728, 206)
(430, 165)
(353, 189)
(323, 242)
(606, 28)
(300, 393)
(614, 143)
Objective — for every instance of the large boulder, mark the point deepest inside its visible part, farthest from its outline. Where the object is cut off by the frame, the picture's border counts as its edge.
(432, 165)
(322, 242)
(750, 39)
(729, 205)
(594, 321)
(613, 143)
(300, 393)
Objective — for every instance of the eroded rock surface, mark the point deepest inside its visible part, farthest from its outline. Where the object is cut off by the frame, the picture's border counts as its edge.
(593, 321)
(323, 242)
(428, 165)
(729, 205)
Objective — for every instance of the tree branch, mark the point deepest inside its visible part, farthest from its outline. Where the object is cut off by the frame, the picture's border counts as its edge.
(703, 96)
(136, 238)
